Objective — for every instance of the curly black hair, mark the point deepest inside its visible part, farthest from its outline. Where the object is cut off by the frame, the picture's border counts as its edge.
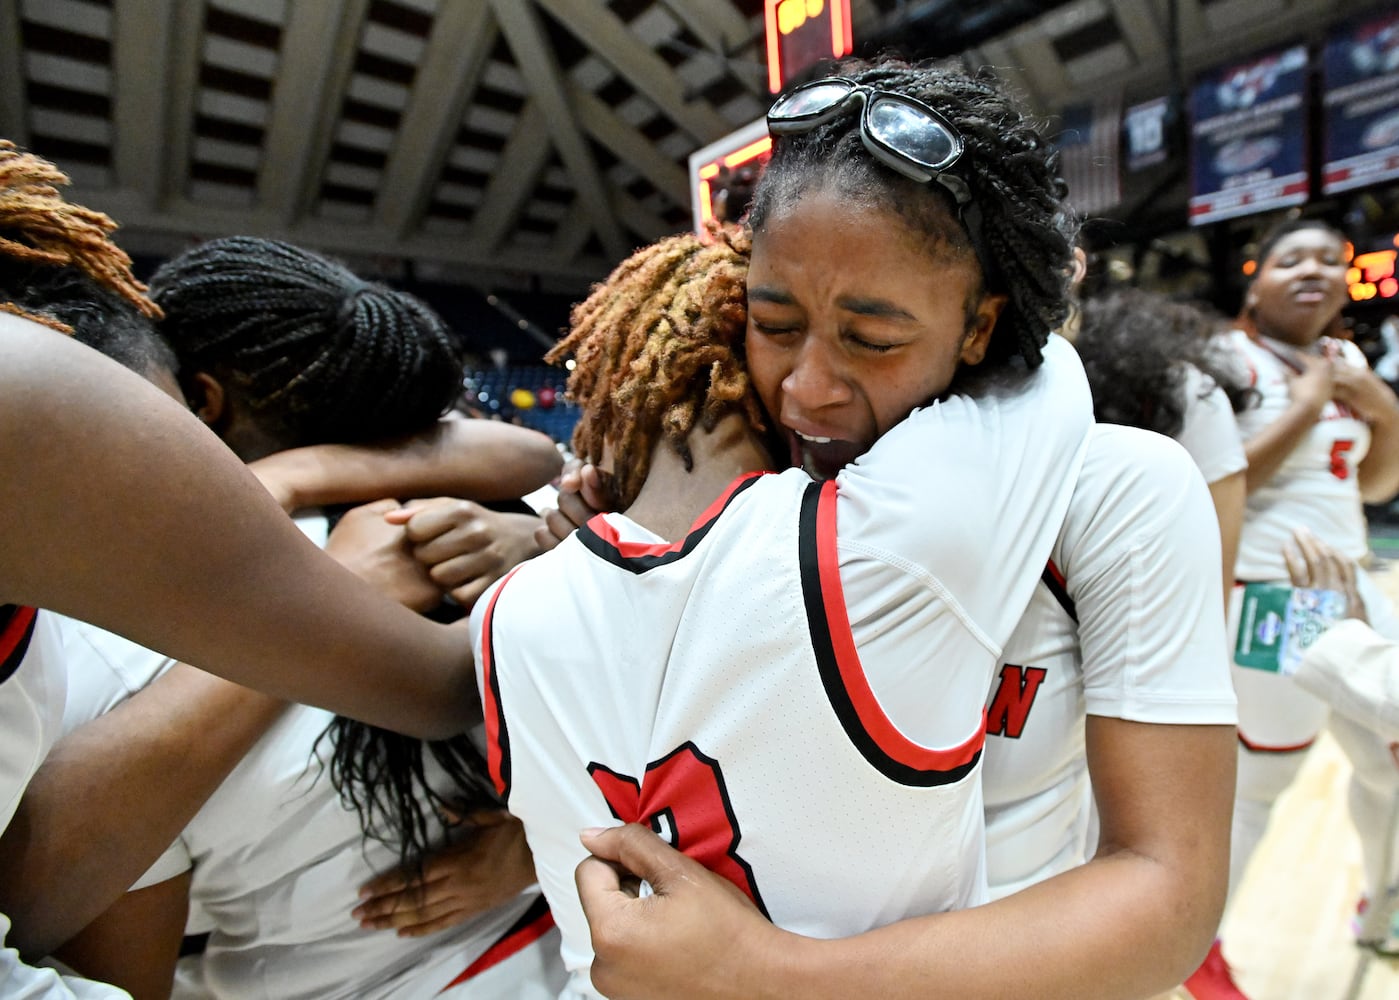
(1010, 169)
(1136, 348)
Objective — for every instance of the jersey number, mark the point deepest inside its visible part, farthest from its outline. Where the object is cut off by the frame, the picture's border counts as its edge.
(1339, 468)
(684, 800)
(1015, 696)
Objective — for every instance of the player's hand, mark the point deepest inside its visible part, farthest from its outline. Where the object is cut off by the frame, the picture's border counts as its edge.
(1313, 563)
(697, 936)
(584, 491)
(1363, 391)
(464, 546)
(458, 881)
(378, 552)
(1313, 385)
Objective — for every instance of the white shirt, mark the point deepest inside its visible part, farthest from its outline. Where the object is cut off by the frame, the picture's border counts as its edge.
(1139, 564)
(793, 674)
(1316, 485)
(1209, 432)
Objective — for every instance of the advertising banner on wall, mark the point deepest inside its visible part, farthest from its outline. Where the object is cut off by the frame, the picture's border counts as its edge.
(1249, 137)
(1361, 83)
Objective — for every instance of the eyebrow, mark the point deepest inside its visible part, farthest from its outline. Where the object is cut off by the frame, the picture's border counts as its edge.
(863, 307)
(874, 307)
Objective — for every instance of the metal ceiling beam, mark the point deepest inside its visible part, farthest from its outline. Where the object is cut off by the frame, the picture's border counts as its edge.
(521, 162)
(998, 56)
(319, 43)
(455, 56)
(14, 108)
(1144, 34)
(199, 220)
(153, 45)
(520, 25)
(630, 146)
(725, 32)
(572, 234)
(607, 35)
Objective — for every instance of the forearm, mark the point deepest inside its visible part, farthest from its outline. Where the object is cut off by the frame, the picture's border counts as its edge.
(474, 459)
(1267, 450)
(1378, 472)
(126, 503)
(1117, 927)
(137, 776)
(1228, 496)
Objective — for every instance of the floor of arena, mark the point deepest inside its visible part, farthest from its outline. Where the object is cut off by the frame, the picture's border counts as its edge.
(1288, 935)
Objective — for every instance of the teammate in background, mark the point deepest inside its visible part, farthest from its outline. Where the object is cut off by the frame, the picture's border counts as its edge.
(1153, 363)
(274, 848)
(696, 938)
(1323, 438)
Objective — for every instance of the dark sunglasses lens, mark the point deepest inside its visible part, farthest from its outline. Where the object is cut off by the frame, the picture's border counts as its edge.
(912, 133)
(810, 100)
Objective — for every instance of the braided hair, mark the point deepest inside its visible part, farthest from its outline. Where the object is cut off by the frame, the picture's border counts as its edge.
(1011, 172)
(659, 347)
(59, 266)
(313, 353)
(1136, 346)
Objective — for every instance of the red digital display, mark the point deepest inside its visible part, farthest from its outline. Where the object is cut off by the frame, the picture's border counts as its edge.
(803, 32)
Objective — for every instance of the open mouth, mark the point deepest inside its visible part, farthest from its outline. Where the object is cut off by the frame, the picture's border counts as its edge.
(822, 457)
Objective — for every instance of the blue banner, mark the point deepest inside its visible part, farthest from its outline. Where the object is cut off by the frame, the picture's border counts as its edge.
(1361, 67)
(1249, 137)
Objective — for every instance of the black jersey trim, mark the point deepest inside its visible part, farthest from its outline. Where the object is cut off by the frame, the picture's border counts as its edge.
(16, 631)
(828, 664)
(638, 558)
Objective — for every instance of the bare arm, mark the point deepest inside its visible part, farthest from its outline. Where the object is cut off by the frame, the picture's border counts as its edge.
(1269, 448)
(126, 503)
(1228, 495)
(138, 775)
(136, 942)
(1135, 920)
(477, 459)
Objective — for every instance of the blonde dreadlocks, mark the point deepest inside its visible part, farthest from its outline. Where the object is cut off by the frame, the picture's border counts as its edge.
(659, 349)
(37, 227)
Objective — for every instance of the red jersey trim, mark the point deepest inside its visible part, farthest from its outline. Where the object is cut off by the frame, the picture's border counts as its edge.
(869, 729)
(497, 733)
(600, 537)
(16, 630)
(533, 924)
(1262, 748)
(1054, 582)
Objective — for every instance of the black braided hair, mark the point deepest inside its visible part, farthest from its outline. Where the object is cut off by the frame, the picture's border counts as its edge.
(384, 777)
(97, 316)
(1008, 166)
(1135, 347)
(318, 356)
(314, 354)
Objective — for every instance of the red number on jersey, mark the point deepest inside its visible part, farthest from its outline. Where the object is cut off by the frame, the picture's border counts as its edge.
(1015, 696)
(684, 800)
(1339, 468)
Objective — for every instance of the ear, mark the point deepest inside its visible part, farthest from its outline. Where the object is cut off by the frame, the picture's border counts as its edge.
(207, 398)
(978, 335)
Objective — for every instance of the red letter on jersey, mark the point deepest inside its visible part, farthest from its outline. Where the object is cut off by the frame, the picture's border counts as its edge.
(685, 801)
(1014, 699)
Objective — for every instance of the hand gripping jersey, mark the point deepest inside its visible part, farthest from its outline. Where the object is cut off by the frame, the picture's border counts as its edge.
(1316, 485)
(808, 664)
(1126, 624)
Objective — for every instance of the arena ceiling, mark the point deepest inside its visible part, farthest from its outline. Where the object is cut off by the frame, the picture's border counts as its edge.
(507, 143)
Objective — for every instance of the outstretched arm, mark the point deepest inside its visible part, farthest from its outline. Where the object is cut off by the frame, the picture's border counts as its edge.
(480, 460)
(123, 510)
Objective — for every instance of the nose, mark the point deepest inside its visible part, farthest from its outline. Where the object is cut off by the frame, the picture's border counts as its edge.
(817, 378)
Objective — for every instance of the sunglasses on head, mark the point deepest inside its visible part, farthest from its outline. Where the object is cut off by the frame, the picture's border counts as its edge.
(902, 132)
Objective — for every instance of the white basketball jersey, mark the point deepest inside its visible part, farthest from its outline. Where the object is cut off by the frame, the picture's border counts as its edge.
(1316, 485)
(33, 687)
(723, 702)
(1127, 623)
